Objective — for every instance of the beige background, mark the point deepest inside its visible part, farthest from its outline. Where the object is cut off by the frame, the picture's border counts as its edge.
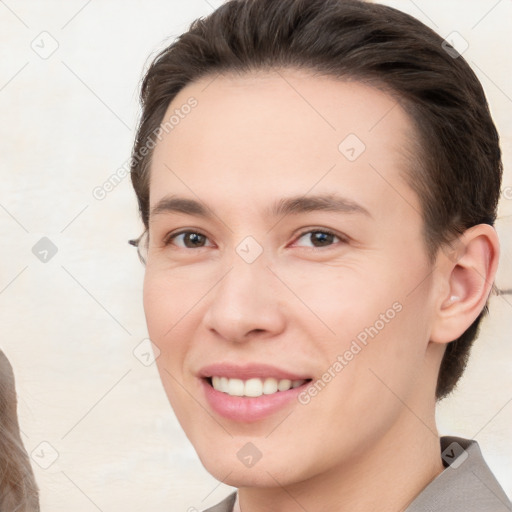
(70, 326)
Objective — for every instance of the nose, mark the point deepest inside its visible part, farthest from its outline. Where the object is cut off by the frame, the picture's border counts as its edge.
(246, 303)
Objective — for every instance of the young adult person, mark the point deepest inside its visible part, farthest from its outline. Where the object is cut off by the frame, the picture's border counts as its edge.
(318, 182)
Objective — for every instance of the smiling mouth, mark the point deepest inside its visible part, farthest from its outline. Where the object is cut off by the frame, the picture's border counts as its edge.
(254, 387)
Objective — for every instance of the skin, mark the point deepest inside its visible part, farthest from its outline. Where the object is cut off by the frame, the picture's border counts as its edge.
(252, 140)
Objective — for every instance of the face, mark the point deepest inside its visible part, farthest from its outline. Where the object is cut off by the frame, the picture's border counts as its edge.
(287, 285)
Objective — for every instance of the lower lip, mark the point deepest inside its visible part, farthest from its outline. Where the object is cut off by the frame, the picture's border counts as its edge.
(248, 409)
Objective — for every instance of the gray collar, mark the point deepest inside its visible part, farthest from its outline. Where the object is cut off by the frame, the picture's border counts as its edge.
(466, 485)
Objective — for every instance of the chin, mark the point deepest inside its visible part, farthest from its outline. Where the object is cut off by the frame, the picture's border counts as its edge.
(236, 475)
(240, 464)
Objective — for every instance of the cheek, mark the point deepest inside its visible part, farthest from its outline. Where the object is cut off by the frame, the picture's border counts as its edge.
(168, 302)
(344, 302)
(155, 304)
(378, 320)
(165, 308)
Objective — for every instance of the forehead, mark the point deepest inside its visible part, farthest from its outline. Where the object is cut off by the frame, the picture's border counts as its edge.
(280, 129)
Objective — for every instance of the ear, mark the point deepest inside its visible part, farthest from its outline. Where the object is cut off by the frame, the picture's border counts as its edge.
(467, 275)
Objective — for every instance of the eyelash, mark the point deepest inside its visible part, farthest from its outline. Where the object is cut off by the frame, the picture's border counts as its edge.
(343, 239)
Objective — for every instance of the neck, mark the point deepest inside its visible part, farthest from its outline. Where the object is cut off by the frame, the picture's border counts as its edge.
(386, 477)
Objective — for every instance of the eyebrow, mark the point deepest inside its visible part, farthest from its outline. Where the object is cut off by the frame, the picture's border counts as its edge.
(286, 206)
(326, 202)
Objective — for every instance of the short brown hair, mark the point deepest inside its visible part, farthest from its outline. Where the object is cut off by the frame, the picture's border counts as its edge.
(457, 169)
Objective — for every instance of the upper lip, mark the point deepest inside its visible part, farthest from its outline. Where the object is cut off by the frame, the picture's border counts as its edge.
(248, 371)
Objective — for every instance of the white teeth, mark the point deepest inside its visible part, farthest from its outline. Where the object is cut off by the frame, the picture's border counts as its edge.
(235, 387)
(269, 386)
(284, 385)
(253, 387)
(223, 385)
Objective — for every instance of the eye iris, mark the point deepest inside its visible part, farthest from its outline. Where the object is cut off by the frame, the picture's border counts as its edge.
(322, 238)
(195, 239)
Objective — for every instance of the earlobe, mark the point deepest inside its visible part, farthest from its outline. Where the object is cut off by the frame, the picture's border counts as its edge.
(467, 282)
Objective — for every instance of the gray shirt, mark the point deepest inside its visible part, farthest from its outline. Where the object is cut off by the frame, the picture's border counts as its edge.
(466, 484)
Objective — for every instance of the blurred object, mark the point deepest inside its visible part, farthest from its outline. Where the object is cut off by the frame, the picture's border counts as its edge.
(18, 489)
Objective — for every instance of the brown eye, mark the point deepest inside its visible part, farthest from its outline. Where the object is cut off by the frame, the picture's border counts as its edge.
(319, 238)
(188, 240)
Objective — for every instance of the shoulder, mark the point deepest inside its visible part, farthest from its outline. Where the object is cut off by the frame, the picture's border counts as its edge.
(467, 484)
